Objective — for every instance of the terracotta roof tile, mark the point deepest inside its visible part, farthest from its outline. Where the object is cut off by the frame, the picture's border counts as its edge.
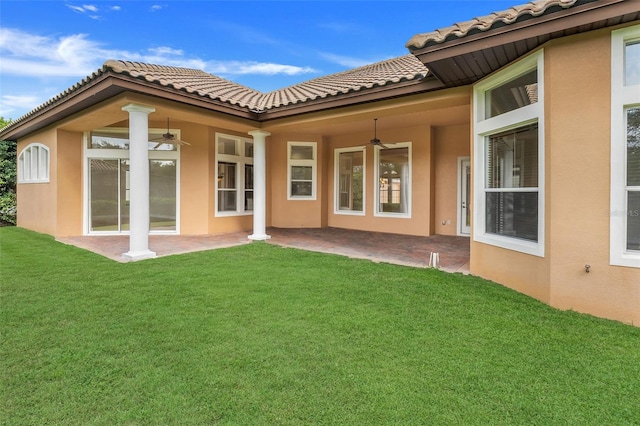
(484, 23)
(391, 71)
(208, 85)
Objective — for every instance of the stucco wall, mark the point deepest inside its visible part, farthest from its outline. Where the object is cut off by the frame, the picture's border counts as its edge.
(578, 163)
(577, 170)
(294, 213)
(69, 176)
(451, 143)
(195, 178)
(420, 222)
(37, 201)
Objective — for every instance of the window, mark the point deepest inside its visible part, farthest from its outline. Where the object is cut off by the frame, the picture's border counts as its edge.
(301, 170)
(625, 148)
(349, 180)
(234, 175)
(393, 180)
(508, 155)
(33, 164)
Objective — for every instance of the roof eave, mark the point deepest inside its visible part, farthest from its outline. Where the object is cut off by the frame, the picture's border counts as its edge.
(106, 86)
(464, 60)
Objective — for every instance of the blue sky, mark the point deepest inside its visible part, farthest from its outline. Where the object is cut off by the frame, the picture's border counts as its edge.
(47, 46)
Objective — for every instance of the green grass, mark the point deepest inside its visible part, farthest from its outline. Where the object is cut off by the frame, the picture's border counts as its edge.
(259, 334)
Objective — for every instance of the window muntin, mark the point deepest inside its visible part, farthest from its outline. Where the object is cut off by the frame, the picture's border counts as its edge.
(33, 164)
(234, 175)
(350, 181)
(625, 148)
(393, 180)
(301, 170)
(508, 156)
(514, 94)
(632, 63)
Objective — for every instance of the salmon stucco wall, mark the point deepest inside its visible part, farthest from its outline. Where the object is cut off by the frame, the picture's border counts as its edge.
(577, 189)
(578, 132)
(420, 222)
(194, 178)
(36, 204)
(69, 177)
(293, 213)
(451, 143)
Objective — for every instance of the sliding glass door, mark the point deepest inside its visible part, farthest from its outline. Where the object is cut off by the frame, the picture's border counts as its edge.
(108, 180)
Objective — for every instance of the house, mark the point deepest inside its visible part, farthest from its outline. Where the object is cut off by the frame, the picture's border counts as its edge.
(520, 129)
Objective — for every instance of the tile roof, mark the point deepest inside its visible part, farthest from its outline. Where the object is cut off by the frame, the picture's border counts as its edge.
(391, 71)
(207, 85)
(506, 17)
(189, 80)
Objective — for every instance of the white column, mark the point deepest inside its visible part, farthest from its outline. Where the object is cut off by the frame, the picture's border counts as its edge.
(259, 185)
(138, 182)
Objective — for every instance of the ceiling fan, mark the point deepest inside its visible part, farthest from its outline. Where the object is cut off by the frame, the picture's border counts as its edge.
(375, 141)
(168, 138)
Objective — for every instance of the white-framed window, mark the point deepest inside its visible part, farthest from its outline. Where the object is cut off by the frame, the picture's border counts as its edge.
(33, 164)
(350, 172)
(302, 164)
(509, 157)
(392, 178)
(234, 175)
(625, 148)
(107, 182)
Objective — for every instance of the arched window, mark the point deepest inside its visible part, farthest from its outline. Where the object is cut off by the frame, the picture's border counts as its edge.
(33, 164)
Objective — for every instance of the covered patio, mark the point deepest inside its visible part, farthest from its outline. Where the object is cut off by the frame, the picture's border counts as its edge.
(375, 246)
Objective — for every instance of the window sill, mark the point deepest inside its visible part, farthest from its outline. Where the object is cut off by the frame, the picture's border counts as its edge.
(630, 260)
(26, 182)
(513, 244)
(231, 214)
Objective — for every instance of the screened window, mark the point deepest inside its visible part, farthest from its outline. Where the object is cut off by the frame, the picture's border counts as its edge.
(350, 172)
(509, 170)
(234, 175)
(512, 183)
(633, 179)
(33, 164)
(301, 170)
(625, 148)
(393, 180)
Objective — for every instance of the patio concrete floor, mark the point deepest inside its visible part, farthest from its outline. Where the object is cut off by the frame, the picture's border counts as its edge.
(375, 246)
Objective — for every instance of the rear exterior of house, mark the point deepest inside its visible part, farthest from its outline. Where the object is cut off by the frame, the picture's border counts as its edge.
(520, 130)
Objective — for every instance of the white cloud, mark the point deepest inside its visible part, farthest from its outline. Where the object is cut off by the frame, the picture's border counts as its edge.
(165, 50)
(116, 8)
(156, 7)
(346, 61)
(11, 103)
(75, 55)
(252, 67)
(90, 7)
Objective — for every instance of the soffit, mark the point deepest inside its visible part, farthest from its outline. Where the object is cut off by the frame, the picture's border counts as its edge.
(466, 52)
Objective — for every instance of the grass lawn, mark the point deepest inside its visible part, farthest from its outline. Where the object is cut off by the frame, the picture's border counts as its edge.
(259, 334)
